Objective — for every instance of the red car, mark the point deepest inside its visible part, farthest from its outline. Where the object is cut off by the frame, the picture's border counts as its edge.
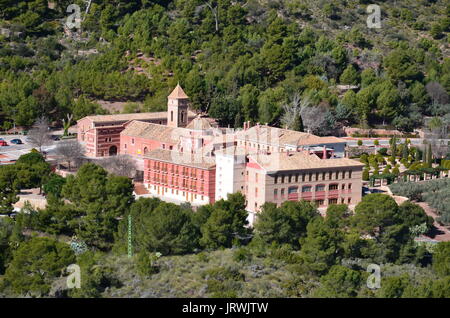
(3, 143)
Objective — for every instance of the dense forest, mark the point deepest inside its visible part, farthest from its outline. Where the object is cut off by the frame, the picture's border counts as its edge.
(292, 251)
(237, 60)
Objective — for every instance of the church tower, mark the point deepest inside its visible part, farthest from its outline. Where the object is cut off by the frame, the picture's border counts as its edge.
(177, 108)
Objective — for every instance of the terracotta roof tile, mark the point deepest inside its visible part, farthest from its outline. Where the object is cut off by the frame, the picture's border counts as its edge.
(301, 160)
(202, 123)
(185, 159)
(122, 118)
(157, 132)
(284, 137)
(178, 93)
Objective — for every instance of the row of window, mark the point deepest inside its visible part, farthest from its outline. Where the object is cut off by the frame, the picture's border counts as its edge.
(333, 201)
(318, 176)
(187, 184)
(307, 188)
(176, 192)
(184, 171)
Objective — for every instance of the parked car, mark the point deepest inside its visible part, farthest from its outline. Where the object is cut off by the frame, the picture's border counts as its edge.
(3, 143)
(16, 141)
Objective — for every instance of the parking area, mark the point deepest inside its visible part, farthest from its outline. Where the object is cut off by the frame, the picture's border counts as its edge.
(12, 152)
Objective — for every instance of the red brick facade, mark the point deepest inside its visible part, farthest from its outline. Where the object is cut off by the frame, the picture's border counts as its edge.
(180, 182)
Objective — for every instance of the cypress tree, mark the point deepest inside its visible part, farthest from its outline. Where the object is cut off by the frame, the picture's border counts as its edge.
(405, 151)
(298, 123)
(429, 156)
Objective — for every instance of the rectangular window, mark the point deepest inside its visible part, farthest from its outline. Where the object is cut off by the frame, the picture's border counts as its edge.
(350, 174)
(320, 188)
(282, 179)
(332, 201)
(275, 180)
(333, 187)
(343, 186)
(306, 189)
(282, 193)
(349, 186)
(292, 190)
(275, 194)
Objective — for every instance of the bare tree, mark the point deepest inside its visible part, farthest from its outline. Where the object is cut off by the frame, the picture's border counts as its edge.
(39, 135)
(292, 110)
(121, 165)
(71, 151)
(313, 117)
(437, 93)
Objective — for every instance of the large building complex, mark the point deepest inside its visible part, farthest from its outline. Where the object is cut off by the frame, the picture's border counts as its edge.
(185, 156)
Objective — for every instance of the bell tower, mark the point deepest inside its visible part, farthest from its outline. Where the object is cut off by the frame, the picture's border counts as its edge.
(177, 108)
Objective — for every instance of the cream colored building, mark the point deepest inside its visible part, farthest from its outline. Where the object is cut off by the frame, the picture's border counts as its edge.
(294, 176)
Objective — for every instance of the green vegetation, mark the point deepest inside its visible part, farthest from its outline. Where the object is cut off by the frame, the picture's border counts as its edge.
(244, 66)
(434, 192)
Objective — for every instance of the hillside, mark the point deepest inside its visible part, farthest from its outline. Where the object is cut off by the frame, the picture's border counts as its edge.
(256, 58)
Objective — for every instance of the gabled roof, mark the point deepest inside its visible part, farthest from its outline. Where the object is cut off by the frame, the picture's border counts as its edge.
(183, 159)
(123, 118)
(126, 117)
(178, 93)
(284, 137)
(202, 123)
(301, 160)
(141, 129)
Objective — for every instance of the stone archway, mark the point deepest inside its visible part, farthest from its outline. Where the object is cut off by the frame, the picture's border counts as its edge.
(113, 150)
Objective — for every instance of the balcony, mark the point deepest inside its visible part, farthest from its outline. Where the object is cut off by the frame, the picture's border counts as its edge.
(293, 197)
(333, 193)
(320, 195)
(306, 195)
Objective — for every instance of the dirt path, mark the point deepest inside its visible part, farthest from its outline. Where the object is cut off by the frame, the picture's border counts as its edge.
(440, 233)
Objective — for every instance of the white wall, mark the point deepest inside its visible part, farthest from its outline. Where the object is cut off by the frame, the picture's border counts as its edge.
(229, 174)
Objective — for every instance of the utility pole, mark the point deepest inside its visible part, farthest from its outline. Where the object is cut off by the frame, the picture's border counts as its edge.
(130, 245)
